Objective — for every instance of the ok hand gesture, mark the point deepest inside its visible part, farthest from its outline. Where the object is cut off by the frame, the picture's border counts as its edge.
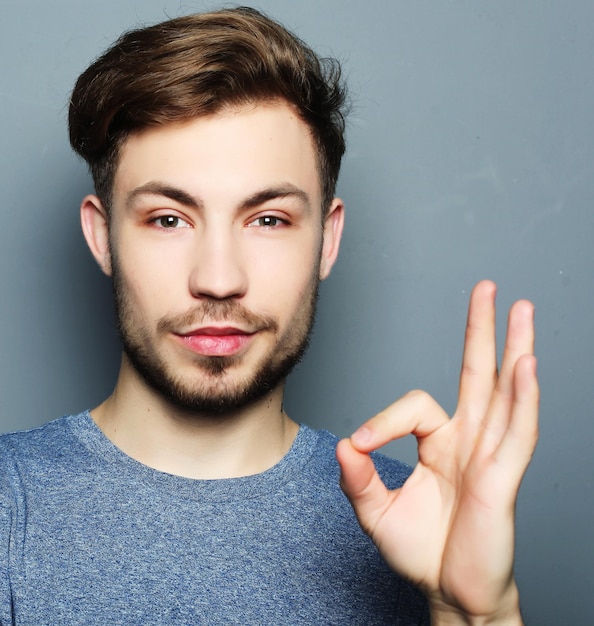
(450, 528)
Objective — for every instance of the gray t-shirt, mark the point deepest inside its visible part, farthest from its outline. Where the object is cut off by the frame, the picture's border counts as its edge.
(90, 536)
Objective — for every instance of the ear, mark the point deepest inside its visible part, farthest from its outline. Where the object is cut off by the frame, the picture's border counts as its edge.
(333, 225)
(95, 226)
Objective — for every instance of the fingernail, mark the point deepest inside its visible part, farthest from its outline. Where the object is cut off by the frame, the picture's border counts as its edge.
(362, 436)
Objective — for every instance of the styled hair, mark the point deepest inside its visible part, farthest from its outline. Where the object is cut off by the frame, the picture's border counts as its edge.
(195, 66)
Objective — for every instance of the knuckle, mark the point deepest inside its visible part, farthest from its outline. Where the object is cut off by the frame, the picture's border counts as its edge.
(420, 397)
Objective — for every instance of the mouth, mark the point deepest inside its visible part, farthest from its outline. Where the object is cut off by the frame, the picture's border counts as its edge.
(216, 341)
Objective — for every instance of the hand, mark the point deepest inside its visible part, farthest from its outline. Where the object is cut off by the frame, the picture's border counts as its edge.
(450, 528)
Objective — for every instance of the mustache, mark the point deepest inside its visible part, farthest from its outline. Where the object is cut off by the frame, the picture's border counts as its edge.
(218, 311)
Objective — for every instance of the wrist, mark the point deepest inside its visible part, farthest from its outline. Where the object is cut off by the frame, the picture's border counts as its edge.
(507, 613)
(456, 618)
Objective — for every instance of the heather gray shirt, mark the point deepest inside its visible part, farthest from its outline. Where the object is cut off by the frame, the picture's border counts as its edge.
(90, 536)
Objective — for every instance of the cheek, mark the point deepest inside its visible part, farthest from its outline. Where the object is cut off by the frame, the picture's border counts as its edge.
(148, 285)
(294, 284)
(289, 272)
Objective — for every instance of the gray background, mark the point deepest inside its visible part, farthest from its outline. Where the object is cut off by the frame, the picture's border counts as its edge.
(471, 146)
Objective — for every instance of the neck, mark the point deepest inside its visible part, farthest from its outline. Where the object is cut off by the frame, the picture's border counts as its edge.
(149, 429)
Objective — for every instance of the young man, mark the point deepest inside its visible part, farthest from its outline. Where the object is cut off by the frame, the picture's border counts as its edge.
(189, 496)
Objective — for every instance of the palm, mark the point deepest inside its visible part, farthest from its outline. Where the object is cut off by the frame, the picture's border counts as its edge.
(449, 529)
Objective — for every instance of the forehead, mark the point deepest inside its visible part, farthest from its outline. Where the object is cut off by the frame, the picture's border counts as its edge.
(225, 156)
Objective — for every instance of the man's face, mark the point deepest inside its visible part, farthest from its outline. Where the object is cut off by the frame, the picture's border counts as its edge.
(217, 249)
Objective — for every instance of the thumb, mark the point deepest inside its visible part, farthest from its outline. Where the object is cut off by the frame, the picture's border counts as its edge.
(362, 485)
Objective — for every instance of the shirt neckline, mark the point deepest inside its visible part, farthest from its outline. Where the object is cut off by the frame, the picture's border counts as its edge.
(118, 466)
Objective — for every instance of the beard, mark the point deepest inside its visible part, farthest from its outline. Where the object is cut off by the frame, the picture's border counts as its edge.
(211, 388)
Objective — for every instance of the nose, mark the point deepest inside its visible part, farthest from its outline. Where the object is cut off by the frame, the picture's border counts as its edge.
(218, 268)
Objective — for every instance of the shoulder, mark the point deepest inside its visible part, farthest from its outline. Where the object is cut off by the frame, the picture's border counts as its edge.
(44, 439)
(33, 455)
(356, 566)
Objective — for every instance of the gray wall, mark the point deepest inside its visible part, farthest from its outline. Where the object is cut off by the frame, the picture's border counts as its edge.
(470, 155)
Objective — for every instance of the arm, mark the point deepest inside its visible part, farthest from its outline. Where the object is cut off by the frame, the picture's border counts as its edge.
(450, 528)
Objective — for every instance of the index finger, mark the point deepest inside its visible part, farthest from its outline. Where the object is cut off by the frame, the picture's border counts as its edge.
(416, 413)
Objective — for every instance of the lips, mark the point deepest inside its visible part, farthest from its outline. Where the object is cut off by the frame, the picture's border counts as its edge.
(216, 341)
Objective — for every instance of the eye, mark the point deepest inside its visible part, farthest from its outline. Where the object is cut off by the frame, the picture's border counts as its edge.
(268, 221)
(170, 222)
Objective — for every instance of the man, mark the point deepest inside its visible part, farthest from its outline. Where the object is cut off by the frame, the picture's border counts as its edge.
(189, 496)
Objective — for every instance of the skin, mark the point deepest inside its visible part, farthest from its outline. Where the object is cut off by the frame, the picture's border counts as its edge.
(243, 191)
(450, 528)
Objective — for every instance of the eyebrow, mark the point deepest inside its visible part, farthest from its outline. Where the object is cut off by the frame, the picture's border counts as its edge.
(155, 188)
(284, 190)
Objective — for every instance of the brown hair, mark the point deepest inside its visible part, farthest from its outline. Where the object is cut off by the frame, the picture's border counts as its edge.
(196, 65)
